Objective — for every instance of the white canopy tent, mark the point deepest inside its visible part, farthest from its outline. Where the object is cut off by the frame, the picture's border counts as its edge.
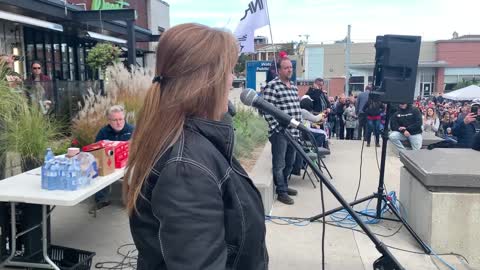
(467, 93)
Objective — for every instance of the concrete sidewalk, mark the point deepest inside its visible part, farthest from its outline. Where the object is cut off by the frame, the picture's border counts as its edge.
(297, 247)
(290, 247)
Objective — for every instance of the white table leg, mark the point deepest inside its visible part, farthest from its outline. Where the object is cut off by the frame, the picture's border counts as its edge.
(45, 237)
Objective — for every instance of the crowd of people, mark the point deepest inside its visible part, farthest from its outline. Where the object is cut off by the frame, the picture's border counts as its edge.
(360, 116)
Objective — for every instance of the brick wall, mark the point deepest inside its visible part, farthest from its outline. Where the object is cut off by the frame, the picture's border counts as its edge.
(302, 89)
(440, 80)
(337, 86)
(459, 54)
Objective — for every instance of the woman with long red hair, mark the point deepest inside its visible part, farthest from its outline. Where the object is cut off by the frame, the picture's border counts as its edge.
(191, 204)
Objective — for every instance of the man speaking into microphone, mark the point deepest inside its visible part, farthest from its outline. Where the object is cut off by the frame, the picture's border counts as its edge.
(283, 94)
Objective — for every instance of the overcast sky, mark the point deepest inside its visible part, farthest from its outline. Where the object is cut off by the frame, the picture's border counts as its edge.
(327, 20)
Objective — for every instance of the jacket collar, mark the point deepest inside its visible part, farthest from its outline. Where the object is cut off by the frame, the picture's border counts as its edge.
(219, 134)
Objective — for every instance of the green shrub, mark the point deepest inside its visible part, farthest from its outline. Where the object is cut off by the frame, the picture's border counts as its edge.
(250, 132)
(29, 134)
(103, 55)
(24, 128)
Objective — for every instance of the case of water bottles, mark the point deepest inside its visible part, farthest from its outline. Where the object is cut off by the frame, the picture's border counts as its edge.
(62, 173)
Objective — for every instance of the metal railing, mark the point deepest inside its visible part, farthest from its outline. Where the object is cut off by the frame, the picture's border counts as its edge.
(60, 98)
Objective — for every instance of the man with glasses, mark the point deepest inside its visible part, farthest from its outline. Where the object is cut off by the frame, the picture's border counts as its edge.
(116, 130)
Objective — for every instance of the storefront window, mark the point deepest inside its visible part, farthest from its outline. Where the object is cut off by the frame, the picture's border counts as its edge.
(30, 52)
(66, 72)
(356, 84)
(39, 46)
(62, 55)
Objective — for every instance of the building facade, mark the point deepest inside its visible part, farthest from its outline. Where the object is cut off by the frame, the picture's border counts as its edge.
(462, 56)
(158, 21)
(442, 64)
(59, 34)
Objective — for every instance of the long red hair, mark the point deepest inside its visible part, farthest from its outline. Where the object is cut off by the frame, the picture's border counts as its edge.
(194, 62)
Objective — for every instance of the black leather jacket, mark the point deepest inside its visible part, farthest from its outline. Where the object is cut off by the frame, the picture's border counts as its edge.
(198, 208)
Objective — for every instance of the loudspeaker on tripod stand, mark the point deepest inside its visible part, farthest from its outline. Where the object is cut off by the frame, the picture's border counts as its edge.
(395, 72)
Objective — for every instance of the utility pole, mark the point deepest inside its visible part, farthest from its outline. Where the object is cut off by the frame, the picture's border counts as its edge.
(347, 61)
(302, 55)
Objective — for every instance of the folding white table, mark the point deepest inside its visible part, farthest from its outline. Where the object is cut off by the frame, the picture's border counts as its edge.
(26, 188)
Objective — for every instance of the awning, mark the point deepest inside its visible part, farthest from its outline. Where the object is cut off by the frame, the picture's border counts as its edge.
(30, 21)
(59, 12)
(102, 37)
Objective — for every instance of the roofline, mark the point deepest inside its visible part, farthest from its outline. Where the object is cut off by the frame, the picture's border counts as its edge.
(458, 40)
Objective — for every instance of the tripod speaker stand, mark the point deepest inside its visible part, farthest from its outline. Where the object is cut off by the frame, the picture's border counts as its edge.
(380, 195)
(394, 76)
(250, 98)
(387, 261)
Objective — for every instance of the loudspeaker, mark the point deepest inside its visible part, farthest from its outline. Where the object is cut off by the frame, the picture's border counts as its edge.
(395, 73)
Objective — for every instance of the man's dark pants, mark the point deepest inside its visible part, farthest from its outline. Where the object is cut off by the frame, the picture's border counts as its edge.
(283, 157)
(362, 125)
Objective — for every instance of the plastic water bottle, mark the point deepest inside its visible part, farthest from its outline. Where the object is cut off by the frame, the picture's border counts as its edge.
(80, 178)
(48, 156)
(45, 168)
(52, 177)
(62, 176)
(72, 177)
(76, 169)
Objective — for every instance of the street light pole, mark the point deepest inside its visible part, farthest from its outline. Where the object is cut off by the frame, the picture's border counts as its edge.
(303, 53)
(347, 61)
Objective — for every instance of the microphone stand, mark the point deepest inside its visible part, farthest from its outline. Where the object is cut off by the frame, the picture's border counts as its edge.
(387, 261)
(380, 194)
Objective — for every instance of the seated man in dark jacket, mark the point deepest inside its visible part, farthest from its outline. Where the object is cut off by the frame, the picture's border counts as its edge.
(406, 124)
(467, 126)
(116, 130)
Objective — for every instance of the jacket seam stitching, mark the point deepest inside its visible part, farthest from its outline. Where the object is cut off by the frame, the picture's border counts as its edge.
(160, 237)
(242, 242)
(182, 145)
(196, 164)
(225, 177)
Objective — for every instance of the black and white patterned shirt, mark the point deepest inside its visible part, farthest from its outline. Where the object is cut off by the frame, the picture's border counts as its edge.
(286, 99)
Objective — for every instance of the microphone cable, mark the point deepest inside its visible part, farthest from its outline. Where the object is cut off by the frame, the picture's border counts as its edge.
(315, 145)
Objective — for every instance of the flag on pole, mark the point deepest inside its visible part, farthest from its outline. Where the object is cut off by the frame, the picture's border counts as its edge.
(255, 17)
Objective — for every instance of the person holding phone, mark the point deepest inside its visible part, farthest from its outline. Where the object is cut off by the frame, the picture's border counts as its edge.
(468, 126)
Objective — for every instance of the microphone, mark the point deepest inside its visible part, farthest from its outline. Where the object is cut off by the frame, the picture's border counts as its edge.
(249, 97)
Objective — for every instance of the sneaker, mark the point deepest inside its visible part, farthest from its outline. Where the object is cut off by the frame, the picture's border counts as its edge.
(368, 145)
(377, 145)
(99, 205)
(284, 198)
(292, 192)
